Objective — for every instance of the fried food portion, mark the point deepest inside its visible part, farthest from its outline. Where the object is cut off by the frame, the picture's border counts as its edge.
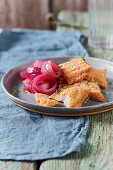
(75, 96)
(57, 95)
(78, 82)
(72, 95)
(98, 76)
(91, 87)
(75, 70)
(94, 90)
(42, 99)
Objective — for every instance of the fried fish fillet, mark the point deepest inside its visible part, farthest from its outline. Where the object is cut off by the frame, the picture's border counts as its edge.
(75, 96)
(92, 87)
(75, 70)
(57, 95)
(42, 99)
(98, 76)
(94, 90)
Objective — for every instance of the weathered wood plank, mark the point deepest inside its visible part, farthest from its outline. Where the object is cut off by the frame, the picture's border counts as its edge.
(98, 152)
(23, 13)
(13, 165)
(59, 5)
(32, 13)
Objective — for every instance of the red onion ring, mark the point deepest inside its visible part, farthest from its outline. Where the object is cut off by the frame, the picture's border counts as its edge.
(41, 84)
(23, 74)
(32, 72)
(51, 70)
(37, 63)
(27, 84)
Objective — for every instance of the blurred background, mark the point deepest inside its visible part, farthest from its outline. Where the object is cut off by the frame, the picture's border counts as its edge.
(33, 13)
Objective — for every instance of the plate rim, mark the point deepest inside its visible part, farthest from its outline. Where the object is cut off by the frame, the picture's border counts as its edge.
(64, 114)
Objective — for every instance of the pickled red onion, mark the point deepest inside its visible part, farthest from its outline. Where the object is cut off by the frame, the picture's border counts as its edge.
(44, 86)
(32, 72)
(37, 63)
(51, 70)
(23, 74)
(27, 84)
(41, 77)
(41, 84)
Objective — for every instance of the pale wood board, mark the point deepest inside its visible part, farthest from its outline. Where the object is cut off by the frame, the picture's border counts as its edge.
(14, 165)
(58, 5)
(32, 13)
(97, 154)
(23, 13)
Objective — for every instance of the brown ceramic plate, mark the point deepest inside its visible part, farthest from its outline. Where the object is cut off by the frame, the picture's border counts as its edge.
(27, 101)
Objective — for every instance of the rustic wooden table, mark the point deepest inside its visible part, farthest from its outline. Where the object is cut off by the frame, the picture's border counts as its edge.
(97, 154)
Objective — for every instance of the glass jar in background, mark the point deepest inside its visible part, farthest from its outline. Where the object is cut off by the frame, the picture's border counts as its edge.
(100, 23)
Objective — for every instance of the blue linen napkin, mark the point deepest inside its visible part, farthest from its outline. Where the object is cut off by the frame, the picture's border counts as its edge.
(25, 135)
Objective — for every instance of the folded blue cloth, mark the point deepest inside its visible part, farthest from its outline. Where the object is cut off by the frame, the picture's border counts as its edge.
(25, 135)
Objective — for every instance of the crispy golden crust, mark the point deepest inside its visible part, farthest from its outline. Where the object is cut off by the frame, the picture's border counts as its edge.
(57, 95)
(94, 90)
(72, 95)
(42, 99)
(75, 70)
(75, 96)
(98, 76)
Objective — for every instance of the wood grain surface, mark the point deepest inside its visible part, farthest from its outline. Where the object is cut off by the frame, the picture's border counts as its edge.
(23, 13)
(59, 5)
(32, 13)
(97, 154)
(14, 165)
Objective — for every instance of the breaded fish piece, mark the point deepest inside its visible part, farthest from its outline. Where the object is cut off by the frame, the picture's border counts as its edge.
(75, 96)
(42, 99)
(98, 76)
(57, 95)
(75, 70)
(92, 87)
(94, 90)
